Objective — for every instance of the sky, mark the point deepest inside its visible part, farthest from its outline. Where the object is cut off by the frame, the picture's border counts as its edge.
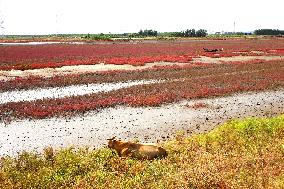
(124, 16)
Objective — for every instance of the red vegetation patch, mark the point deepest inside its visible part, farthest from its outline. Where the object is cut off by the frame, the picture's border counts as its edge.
(187, 82)
(134, 61)
(58, 55)
(155, 72)
(275, 51)
(184, 84)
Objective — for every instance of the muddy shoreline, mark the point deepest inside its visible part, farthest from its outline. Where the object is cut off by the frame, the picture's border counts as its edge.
(149, 124)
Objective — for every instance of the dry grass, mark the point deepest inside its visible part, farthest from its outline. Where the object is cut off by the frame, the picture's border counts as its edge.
(239, 154)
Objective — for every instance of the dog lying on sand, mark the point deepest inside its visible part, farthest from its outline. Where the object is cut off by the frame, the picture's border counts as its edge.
(135, 150)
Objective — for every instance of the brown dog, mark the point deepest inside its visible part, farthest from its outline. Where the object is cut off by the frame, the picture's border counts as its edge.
(134, 150)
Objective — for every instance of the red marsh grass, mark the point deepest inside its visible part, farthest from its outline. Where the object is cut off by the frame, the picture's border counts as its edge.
(184, 84)
(56, 55)
(193, 70)
(212, 85)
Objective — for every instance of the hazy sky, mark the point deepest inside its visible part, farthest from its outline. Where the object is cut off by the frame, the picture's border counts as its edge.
(119, 16)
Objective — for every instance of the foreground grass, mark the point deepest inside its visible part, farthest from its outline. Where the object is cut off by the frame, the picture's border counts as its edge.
(238, 154)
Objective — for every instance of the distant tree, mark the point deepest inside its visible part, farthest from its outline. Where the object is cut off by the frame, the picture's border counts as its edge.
(268, 32)
(155, 33)
(88, 36)
(201, 33)
(186, 33)
(190, 33)
(148, 33)
(179, 34)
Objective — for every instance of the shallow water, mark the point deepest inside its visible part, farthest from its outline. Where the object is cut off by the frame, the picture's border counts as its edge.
(145, 124)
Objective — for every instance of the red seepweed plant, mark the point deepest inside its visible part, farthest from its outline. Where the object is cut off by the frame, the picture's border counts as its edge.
(201, 83)
(58, 55)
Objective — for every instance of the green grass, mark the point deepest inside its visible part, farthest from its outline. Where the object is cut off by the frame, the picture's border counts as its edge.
(239, 154)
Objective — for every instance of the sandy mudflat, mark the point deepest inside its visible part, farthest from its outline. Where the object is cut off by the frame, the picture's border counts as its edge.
(65, 70)
(205, 59)
(146, 124)
(61, 92)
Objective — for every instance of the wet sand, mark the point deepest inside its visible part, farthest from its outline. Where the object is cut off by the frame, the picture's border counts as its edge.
(146, 124)
(61, 92)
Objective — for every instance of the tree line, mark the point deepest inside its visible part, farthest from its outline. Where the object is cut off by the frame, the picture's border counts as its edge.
(190, 33)
(185, 33)
(269, 32)
(146, 33)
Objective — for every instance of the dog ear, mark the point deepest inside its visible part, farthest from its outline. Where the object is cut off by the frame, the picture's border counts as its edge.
(111, 138)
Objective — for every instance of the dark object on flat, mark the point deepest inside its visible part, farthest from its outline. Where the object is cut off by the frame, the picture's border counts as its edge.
(212, 50)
